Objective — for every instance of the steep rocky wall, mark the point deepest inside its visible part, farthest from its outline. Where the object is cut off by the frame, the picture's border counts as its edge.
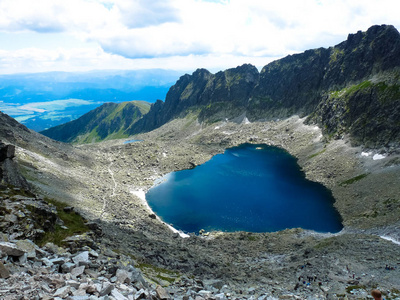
(299, 84)
(368, 111)
(203, 92)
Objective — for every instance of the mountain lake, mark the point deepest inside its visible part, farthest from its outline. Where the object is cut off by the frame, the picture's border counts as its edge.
(254, 188)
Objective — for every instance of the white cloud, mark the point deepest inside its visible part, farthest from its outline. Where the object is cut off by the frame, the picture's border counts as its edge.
(144, 13)
(179, 33)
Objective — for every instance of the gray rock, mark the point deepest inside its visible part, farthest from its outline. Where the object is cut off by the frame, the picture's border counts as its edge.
(162, 293)
(91, 289)
(11, 218)
(55, 249)
(106, 289)
(67, 267)
(78, 271)
(28, 246)
(205, 294)
(23, 259)
(220, 296)
(73, 283)
(93, 253)
(4, 272)
(137, 277)
(58, 261)
(123, 276)
(78, 297)
(140, 294)
(11, 249)
(47, 262)
(92, 273)
(117, 295)
(62, 292)
(218, 284)
(45, 287)
(82, 258)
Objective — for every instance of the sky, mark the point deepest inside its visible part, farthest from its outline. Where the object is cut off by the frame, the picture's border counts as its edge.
(83, 35)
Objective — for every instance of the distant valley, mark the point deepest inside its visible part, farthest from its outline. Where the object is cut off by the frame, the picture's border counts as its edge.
(44, 100)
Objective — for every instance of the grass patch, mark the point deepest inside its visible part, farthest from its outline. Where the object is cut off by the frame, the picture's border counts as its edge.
(74, 222)
(253, 238)
(157, 274)
(352, 180)
(354, 287)
(324, 243)
(316, 154)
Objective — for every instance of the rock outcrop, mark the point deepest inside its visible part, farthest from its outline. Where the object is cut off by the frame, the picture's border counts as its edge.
(215, 96)
(9, 173)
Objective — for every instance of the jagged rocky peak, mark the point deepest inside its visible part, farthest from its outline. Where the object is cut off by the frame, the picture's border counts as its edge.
(203, 87)
(363, 54)
(203, 91)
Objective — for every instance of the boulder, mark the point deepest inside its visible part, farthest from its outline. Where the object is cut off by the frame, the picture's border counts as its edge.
(27, 246)
(78, 271)
(62, 292)
(82, 258)
(106, 289)
(11, 249)
(162, 293)
(6, 151)
(4, 272)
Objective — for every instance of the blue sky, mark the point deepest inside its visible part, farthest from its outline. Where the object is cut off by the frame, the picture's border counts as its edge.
(82, 35)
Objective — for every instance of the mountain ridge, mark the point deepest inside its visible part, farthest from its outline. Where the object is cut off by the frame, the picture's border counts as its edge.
(297, 84)
(309, 84)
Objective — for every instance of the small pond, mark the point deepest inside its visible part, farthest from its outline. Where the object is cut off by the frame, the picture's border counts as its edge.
(132, 141)
(255, 188)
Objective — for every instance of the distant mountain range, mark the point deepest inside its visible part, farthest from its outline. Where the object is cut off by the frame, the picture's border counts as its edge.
(350, 89)
(44, 100)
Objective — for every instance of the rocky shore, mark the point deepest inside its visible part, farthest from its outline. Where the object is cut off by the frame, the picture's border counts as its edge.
(102, 181)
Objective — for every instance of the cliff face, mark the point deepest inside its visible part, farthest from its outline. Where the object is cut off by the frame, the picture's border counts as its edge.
(312, 83)
(215, 96)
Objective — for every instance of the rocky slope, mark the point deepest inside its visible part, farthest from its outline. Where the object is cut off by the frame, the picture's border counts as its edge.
(111, 120)
(108, 184)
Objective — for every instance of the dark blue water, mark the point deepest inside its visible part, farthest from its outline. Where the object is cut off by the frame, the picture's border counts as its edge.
(255, 188)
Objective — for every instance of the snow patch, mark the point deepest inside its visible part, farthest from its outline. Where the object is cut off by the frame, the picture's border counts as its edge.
(142, 196)
(375, 157)
(227, 132)
(246, 121)
(217, 127)
(181, 234)
(388, 238)
(378, 156)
